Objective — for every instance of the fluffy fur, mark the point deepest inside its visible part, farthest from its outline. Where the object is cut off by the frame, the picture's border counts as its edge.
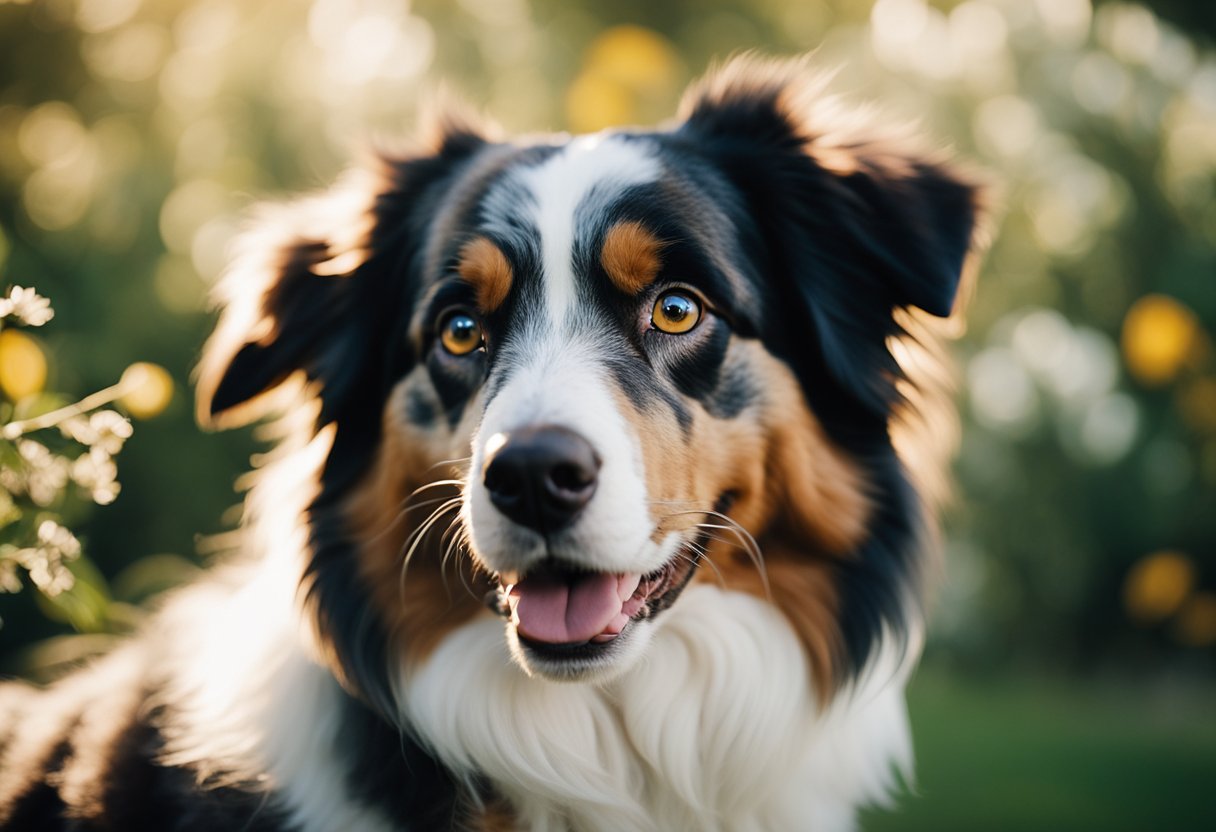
(374, 659)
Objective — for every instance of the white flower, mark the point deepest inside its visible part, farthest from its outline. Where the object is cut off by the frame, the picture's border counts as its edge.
(50, 575)
(110, 429)
(27, 306)
(78, 429)
(46, 562)
(58, 539)
(46, 473)
(97, 474)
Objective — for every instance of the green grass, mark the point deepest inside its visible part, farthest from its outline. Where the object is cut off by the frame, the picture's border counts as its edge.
(1033, 755)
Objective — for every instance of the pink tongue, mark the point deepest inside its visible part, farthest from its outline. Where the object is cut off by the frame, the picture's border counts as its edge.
(568, 609)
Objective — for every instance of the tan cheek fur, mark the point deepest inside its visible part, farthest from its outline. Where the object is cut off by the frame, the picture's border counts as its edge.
(422, 604)
(802, 499)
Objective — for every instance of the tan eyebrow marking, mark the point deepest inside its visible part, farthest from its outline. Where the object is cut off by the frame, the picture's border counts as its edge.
(484, 266)
(631, 256)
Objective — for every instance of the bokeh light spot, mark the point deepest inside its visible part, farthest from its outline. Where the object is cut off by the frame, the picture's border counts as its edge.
(897, 22)
(147, 390)
(57, 198)
(23, 365)
(624, 67)
(1109, 428)
(1157, 585)
(187, 209)
(1065, 21)
(1130, 31)
(1086, 369)
(51, 134)
(100, 15)
(1006, 125)
(497, 12)
(594, 102)
(634, 56)
(132, 53)
(977, 31)
(1158, 336)
(1100, 83)
(1003, 397)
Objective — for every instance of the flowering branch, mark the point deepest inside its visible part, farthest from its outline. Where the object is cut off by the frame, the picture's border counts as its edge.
(36, 474)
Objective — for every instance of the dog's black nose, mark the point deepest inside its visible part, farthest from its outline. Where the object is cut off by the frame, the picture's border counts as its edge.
(541, 477)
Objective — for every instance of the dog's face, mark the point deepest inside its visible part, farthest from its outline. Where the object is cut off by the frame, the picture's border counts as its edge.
(592, 338)
(567, 378)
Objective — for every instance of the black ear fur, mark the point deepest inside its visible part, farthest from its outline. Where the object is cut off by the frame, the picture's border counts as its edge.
(288, 307)
(307, 295)
(282, 318)
(857, 221)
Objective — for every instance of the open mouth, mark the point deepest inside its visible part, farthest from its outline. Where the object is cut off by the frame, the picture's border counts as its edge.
(566, 611)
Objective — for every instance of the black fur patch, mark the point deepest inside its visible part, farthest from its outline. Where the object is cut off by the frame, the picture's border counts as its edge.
(389, 769)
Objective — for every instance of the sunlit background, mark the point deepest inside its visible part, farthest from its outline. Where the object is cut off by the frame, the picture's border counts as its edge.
(1070, 678)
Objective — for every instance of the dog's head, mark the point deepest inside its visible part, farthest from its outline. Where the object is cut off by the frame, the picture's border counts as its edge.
(565, 378)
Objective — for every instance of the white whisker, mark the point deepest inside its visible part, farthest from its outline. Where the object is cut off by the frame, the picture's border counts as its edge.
(418, 535)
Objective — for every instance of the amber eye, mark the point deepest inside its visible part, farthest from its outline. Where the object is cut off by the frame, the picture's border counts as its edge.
(676, 312)
(460, 333)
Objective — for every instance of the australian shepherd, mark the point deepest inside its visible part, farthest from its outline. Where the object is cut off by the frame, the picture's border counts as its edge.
(602, 501)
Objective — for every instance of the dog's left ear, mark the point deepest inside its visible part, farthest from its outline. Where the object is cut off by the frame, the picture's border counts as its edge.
(852, 215)
(286, 303)
(317, 284)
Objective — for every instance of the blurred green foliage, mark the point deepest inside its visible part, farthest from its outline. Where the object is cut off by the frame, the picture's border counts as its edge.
(134, 133)
(1027, 755)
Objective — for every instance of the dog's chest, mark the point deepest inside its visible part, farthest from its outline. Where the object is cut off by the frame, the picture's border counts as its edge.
(715, 728)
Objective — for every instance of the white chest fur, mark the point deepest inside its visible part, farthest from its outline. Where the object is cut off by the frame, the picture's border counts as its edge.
(715, 728)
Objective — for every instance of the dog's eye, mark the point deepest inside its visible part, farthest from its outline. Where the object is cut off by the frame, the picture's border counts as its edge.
(676, 312)
(460, 333)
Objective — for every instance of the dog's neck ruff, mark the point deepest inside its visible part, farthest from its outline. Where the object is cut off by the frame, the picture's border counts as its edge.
(714, 728)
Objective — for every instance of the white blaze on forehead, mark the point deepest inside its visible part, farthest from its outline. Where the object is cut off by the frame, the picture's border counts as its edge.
(558, 374)
(560, 380)
(596, 166)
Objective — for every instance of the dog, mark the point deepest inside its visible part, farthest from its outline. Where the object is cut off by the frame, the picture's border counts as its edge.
(604, 496)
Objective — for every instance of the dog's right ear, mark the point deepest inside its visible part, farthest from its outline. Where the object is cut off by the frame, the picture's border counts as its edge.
(315, 282)
(857, 218)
